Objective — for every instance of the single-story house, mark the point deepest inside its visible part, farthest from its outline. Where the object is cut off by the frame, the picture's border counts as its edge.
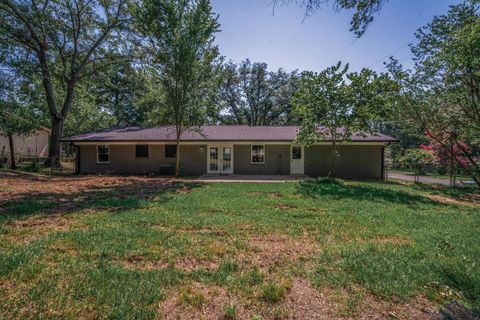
(226, 149)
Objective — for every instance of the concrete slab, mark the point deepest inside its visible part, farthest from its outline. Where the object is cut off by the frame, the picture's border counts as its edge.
(250, 178)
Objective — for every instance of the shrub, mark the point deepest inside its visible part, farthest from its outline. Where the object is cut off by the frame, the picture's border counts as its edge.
(327, 180)
(33, 166)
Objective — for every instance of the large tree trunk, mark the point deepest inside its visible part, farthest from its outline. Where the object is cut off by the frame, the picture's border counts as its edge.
(332, 174)
(53, 159)
(13, 165)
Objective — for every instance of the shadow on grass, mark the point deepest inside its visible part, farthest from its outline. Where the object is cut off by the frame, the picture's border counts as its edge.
(464, 193)
(359, 192)
(135, 194)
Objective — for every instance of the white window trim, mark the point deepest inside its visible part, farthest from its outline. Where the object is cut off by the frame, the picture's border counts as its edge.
(251, 153)
(103, 162)
(140, 158)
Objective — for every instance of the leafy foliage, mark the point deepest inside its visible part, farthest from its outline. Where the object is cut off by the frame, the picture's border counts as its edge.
(250, 94)
(331, 108)
(18, 115)
(62, 41)
(179, 37)
(417, 158)
(364, 10)
(442, 95)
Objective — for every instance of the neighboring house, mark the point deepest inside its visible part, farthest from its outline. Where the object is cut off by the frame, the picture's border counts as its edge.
(259, 150)
(33, 145)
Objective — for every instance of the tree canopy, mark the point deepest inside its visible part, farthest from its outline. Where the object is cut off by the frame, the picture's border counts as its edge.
(363, 10)
(250, 94)
(333, 105)
(441, 96)
(179, 40)
(63, 42)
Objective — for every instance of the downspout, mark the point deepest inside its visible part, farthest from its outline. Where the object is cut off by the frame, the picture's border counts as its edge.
(77, 158)
(383, 160)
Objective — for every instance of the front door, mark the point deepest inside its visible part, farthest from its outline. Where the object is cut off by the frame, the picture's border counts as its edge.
(220, 159)
(296, 160)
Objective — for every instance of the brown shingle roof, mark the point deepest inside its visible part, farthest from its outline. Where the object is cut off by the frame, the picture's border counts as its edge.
(209, 133)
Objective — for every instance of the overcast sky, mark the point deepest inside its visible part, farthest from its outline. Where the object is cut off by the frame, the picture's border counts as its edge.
(249, 30)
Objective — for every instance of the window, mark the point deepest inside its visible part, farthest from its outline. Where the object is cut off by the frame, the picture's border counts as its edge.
(258, 153)
(103, 153)
(170, 150)
(141, 151)
(296, 152)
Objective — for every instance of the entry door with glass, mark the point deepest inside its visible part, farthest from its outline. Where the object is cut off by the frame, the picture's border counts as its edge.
(220, 159)
(296, 160)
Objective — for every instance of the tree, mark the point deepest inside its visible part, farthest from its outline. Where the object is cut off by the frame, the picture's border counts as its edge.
(417, 159)
(87, 114)
(120, 90)
(180, 36)
(17, 117)
(250, 94)
(333, 105)
(444, 158)
(64, 41)
(441, 96)
(364, 10)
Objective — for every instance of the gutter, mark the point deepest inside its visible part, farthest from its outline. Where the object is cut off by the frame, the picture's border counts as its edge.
(383, 160)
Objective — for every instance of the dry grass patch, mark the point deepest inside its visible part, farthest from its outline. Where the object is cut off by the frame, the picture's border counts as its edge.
(205, 231)
(285, 207)
(33, 228)
(472, 200)
(143, 263)
(269, 195)
(418, 308)
(68, 193)
(304, 302)
(274, 250)
(200, 301)
(188, 264)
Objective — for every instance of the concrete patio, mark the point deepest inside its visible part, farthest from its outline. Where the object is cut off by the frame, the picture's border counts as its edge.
(250, 178)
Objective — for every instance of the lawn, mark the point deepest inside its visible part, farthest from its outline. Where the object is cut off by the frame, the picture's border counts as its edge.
(132, 247)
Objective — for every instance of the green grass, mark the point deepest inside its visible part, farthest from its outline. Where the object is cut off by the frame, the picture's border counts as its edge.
(120, 258)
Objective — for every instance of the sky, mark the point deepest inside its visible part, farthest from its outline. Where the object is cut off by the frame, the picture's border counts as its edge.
(286, 40)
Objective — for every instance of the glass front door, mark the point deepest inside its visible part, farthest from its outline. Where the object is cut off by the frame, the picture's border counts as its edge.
(227, 159)
(220, 159)
(213, 165)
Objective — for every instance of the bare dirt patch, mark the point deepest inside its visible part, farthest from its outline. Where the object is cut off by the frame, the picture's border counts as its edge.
(274, 250)
(188, 264)
(418, 308)
(305, 302)
(200, 301)
(67, 193)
